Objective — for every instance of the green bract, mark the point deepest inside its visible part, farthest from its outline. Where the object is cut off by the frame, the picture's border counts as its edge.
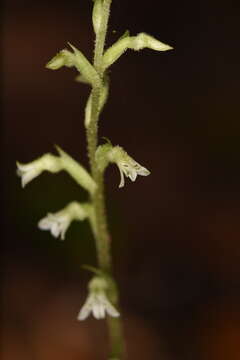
(77, 171)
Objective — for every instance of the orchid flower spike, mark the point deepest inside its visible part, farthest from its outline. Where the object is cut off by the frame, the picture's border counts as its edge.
(97, 301)
(107, 153)
(59, 222)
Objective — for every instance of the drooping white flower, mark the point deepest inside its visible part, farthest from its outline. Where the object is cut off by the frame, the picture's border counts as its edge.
(54, 164)
(59, 222)
(97, 301)
(30, 171)
(126, 164)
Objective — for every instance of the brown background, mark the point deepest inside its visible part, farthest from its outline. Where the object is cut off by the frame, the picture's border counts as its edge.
(175, 233)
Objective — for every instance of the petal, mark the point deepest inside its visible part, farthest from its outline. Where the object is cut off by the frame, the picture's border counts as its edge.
(122, 182)
(132, 175)
(110, 309)
(28, 176)
(22, 168)
(63, 232)
(55, 229)
(101, 311)
(143, 171)
(96, 309)
(84, 312)
(44, 224)
(86, 308)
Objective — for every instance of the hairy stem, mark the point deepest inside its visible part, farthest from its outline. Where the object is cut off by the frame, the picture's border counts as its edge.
(102, 235)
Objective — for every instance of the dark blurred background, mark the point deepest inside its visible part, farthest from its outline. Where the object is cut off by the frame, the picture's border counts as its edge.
(175, 233)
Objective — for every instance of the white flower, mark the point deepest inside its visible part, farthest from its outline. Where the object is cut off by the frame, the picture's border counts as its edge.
(97, 301)
(54, 164)
(27, 172)
(31, 170)
(59, 222)
(127, 165)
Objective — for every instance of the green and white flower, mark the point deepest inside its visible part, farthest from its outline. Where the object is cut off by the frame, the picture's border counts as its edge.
(30, 171)
(127, 166)
(97, 301)
(54, 164)
(59, 222)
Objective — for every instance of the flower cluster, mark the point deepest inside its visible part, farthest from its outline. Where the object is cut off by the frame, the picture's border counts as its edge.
(97, 302)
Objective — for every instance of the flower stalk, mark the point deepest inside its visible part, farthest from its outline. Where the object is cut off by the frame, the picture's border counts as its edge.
(98, 198)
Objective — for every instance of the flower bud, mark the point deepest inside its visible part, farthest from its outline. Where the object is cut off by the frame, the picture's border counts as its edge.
(143, 40)
(63, 58)
(77, 59)
(138, 42)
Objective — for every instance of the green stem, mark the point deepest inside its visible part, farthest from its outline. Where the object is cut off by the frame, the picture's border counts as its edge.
(102, 236)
